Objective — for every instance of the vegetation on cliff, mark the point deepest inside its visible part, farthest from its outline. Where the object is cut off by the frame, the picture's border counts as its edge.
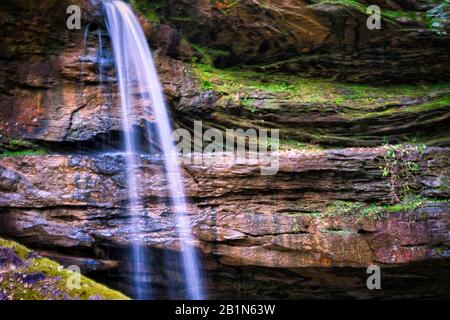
(378, 211)
(371, 114)
(244, 82)
(17, 147)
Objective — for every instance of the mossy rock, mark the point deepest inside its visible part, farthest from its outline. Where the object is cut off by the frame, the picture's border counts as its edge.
(17, 147)
(39, 278)
(375, 211)
(329, 113)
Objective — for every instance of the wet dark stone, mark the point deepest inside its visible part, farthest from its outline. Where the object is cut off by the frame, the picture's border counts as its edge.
(8, 257)
(33, 278)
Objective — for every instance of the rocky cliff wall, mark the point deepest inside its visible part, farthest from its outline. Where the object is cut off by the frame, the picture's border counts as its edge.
(322, 210)
(50, 75)
(309, 231)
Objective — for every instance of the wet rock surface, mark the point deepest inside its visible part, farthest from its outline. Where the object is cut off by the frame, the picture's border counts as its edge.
(54, 85)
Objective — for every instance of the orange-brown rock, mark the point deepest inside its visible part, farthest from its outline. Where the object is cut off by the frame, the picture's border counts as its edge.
(286, 222)
(232, 205)
(50, 87)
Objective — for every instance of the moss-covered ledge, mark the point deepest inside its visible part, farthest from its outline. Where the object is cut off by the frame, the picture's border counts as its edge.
(320, 112)
(24, 275)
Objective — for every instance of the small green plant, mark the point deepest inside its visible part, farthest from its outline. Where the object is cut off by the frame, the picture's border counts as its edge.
(248, 104)
(340, 207)
(445, 183)
(291, 144)
(339, 232)
(400, 170)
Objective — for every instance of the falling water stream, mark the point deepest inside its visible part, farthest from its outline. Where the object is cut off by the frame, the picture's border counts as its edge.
(137, 76)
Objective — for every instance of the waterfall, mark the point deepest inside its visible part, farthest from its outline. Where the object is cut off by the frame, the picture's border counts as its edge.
(136, 71)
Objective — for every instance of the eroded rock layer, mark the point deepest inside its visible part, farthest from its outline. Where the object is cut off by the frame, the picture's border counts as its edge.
(321, 210)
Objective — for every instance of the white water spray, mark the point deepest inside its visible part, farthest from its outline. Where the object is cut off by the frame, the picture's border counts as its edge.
(135, 69)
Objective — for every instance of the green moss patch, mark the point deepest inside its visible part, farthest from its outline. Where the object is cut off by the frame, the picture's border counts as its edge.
(357, 99)
(17, 147)
(209, 55)
(19, 250)
(149, 9)
(378, 211)
(23, 153)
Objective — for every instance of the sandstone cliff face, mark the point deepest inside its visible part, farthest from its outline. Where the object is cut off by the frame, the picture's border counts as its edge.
(324, 209)
(42, 95)
(50, 86)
